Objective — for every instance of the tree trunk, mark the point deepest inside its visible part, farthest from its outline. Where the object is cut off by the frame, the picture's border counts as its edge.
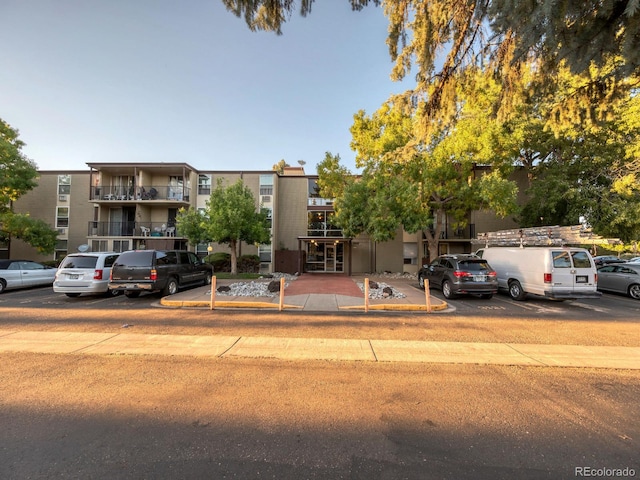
(234, 257)
(433, 236)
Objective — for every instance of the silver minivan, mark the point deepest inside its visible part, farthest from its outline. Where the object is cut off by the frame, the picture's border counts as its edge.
(86, 272)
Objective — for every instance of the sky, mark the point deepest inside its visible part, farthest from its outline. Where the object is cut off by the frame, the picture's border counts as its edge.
(90, 81)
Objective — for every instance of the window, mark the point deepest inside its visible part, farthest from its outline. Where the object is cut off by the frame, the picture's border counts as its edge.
(410, 253)
(64, 184)
(120, 245)
(204, 184)
(264, 251)
(321, 223)
(581, 259)
(561, 260)
(62, 217)
(99, 245)
(266, 184)
(314, 189)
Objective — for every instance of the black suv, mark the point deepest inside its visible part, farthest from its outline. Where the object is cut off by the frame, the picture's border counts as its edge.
(163, 271)
(460, 274)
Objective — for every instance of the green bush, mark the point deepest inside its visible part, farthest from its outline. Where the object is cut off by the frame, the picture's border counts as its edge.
(222, 262)
(249, 264)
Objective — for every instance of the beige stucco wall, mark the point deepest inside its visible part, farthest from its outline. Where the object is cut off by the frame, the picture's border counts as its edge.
(290, 213)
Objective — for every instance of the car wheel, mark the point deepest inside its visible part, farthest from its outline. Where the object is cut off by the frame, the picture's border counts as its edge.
(634, 291)
(3, 285)
(486, 296)
(446, 290)
(515, 290)
(207, 279)
(72, 295)
(132, 294)
(171, 288)
(421, 281)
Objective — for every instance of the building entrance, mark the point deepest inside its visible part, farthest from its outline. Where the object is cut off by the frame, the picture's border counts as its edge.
(324, 257)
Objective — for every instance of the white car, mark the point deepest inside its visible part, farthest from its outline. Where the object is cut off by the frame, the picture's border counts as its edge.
(86, 272)
(634, 260)
(23, 274)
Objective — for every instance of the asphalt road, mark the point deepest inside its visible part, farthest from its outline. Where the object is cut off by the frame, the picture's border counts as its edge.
(75, 416)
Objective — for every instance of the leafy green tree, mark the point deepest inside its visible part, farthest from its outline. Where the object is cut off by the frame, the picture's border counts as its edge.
(407, 183)
(231, 217)
(18, 175)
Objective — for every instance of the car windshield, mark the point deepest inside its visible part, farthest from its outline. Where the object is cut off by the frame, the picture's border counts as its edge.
(80, 261)
(474, 265)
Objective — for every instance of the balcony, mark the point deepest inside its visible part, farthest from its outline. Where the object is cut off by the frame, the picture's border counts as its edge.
(163, 193)
(131, 229)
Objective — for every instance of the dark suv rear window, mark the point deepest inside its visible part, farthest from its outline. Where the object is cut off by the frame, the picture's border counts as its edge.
(80, 261)
(135, 259)
(474, 265)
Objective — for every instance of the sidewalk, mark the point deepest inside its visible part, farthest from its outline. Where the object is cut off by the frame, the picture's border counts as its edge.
(364, 350)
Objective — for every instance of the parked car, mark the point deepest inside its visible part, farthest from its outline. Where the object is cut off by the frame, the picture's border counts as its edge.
(24, 273)
(621, 278)
(559, 273)
(460, 274)
(165, 271)
(86, 272)
(634, 260)
(606, 260)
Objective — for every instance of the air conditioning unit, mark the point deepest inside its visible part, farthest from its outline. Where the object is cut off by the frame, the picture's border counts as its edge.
(62, 198)
(266, 198)
(62, 231)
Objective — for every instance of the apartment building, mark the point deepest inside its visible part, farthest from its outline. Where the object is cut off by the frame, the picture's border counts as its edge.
(123, 206)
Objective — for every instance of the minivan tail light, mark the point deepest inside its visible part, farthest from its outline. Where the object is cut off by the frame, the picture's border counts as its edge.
(154, 274)
(97, 275)
(547, 278)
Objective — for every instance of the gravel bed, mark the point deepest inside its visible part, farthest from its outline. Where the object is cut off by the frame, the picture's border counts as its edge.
(255, 288)
(383, 291)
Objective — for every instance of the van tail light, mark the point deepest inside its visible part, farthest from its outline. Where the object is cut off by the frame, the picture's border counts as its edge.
(461, 274)
(97, 275)
(154, 274)
(547, 278)
(111, 275)
(595, 278)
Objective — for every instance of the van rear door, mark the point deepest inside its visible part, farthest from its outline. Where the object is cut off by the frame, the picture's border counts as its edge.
(573, 271)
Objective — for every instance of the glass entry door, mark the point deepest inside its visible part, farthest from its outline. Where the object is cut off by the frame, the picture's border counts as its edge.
(329, 258)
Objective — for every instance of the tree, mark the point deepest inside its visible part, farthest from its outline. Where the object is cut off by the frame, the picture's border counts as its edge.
(407, 183)
(280, 166)
(18, 175)
(230, 218)
(443, 39)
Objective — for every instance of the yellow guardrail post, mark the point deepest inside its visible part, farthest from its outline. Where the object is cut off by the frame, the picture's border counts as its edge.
(213, 293)
(281, 304)
(366, 294)
(427, 296)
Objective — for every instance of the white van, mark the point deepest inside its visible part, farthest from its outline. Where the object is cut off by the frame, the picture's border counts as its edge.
(554, 272)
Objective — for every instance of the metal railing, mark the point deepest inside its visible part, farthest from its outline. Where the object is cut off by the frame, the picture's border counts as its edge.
(132, 229)
(145, 192)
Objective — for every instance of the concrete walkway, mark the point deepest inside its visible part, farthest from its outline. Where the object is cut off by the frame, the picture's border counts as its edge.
(78, 343)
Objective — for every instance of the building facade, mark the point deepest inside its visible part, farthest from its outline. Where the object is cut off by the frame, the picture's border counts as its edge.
(124, 206)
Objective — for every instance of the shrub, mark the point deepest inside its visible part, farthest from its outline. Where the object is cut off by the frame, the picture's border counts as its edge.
(221, 261)
(249, 264)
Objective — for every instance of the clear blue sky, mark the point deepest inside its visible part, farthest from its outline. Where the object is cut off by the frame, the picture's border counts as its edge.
(187, 81)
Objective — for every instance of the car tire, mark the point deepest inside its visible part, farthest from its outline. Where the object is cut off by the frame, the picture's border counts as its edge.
(72, 295)
(447, 291)
(207, 279)
(421, 281)
(3, 286)
(515, 291)
(132, 294)
(171, 288)
(634, 291)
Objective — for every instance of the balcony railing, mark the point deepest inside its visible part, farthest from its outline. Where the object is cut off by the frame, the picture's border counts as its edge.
(154, 192)
(132, 229)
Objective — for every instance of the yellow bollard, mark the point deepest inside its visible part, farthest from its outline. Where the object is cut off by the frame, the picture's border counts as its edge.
(213, 293)
(281, 305)
(366, 294)
(427, 295)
